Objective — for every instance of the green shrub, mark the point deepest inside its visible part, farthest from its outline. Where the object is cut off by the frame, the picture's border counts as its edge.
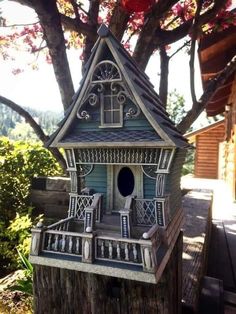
(19, 163)
(24, 284)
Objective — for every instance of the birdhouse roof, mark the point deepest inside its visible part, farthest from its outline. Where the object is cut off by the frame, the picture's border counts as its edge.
(163, 131)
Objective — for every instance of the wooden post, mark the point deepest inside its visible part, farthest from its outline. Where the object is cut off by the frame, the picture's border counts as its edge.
(125, 225)
(89, 219)
(36, 241)
(126, 218)
(149, 264)
(88, 248)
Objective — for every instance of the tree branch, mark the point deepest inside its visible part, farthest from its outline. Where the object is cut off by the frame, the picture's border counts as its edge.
(73, 24)
(195, 31)
(152, 36)
(207, 95)
(145, 43)
(163, 88)
(180, 48)
(118, 22)
(17, 25)
(35, 126)
(93, 22)
(75, 8)
(167, 37)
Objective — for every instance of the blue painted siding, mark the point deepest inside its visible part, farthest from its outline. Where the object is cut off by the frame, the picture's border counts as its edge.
(149, 187)
(97, 180)
(139, 123)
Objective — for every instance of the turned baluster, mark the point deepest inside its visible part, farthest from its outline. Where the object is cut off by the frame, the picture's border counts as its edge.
(135, 253)
(102, 249)
(56, 242)
(118, 250)
(110, 249)
(63, 243)
(77, 245)
(49, 242)
(126, 252)
(70, 244)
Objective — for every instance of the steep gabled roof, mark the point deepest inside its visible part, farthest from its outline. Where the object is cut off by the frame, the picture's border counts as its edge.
(164, 131)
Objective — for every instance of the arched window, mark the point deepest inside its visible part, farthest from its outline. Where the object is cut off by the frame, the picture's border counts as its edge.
(112, 94)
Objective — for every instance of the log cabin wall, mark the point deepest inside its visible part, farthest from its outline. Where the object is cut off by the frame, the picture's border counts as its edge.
(207, 152)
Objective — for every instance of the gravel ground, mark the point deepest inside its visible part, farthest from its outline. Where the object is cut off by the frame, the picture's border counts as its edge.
(13, 302)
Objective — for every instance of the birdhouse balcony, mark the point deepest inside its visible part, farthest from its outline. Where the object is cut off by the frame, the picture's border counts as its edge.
(56, 241)
(87, 240)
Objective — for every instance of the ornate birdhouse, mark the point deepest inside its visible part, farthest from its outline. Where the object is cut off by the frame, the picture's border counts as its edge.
(124, 157)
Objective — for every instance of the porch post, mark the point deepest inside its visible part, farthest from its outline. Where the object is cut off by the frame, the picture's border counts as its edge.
(36, 241)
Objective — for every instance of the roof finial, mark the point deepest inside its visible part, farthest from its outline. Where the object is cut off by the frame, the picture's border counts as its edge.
(103, 31)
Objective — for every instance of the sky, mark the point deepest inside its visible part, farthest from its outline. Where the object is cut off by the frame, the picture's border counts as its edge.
(38, 88)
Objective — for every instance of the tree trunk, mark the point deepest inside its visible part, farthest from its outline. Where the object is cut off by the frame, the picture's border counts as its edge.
(163, 89)
(51, 23)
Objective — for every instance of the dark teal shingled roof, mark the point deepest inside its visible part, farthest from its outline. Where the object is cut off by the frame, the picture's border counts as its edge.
(112, 136)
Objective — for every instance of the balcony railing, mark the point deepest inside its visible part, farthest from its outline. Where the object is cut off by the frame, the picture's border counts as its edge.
(91, 247)
(68, 243)
(119, 250)
(144, 212)
(78, 204)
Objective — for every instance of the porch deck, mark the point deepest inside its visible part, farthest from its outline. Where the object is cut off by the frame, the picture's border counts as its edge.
(196, 233)
(219, 262)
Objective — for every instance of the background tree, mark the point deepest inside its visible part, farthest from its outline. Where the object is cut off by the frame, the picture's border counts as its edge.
(63, 24)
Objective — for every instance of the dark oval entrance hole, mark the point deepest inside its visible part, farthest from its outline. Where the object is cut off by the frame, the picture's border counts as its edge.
(125, 181)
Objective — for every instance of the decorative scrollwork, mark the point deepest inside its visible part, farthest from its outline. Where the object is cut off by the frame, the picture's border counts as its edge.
(99, 87)
(83, 115)
(85, 169)
(116, 87)
(92, 99)
(121, 97)
(132, 113)
(150, 171)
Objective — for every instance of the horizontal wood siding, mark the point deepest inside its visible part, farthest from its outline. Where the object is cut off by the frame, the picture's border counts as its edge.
(173, 181)
(149, 187)
(207, 152)
(139, 123)
(97, 180)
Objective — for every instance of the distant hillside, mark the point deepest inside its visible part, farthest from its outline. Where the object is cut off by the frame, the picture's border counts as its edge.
(13, 125)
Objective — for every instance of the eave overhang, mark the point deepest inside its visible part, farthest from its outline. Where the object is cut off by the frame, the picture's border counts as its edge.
(215, 52)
